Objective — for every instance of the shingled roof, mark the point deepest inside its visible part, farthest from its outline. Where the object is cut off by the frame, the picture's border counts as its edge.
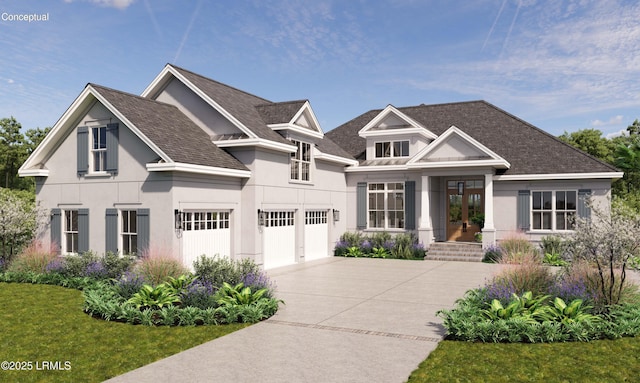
(527, 148)
(168, 128)
(279, 112)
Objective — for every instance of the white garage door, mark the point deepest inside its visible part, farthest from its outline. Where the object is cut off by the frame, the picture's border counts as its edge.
(279, 236)
(205, 232)
(316, 235)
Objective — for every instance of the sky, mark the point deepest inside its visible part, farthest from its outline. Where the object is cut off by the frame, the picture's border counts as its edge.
(559, 65)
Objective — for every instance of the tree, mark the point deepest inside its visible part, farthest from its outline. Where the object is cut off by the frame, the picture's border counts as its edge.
(627, 159)
(19, 219)
(592, 142)
(634, 129)
(11, 151)
(607, 240)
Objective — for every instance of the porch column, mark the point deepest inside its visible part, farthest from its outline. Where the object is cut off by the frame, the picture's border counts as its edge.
(425, 230)
(489, 230)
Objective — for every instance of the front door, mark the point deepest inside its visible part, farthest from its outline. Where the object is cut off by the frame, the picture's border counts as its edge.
(465, 209)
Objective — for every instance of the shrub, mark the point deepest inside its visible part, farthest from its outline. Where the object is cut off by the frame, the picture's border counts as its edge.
(33, 258)
(553, 244)
(128, 284)
(199, 294)
(257, 281)
(516, 247)
(19, 220)
(116, 265)
(217, 270)
(530, 275)
(403, 246)
(492, 254)
(76, 265)
(156, 297)
(157, 265)
(378, 239)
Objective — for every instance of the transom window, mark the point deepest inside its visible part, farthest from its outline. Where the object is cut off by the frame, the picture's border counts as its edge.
(99, 149)
(129, 232)
(71, 231)
(386, 205)
(205, 220)
(392, 149)
(553, 210)
(301, 161)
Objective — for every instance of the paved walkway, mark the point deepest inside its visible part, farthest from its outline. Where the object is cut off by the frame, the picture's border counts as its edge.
(345, 320)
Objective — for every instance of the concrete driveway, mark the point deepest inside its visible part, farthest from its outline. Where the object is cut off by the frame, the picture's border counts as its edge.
(345, 320)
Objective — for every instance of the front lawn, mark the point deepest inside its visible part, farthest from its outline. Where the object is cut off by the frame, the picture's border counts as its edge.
(43, 323)
(597, 361)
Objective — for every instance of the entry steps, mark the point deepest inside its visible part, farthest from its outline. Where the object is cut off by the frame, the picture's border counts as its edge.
(455, 251)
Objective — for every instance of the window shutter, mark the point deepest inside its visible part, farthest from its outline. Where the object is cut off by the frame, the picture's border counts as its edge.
(112, 148)
(83, 150)
(524, 208)
(111, 231)
(83, 230)
(584, 211)
(143, 230)
(56, 228)
(361, 204)
(410, 205)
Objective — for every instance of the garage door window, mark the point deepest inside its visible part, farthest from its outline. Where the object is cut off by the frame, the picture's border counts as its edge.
(205, 220)
(279, 218)
(315, 217)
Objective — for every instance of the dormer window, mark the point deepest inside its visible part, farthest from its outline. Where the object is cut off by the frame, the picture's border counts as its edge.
(301, 161)
(390, 149)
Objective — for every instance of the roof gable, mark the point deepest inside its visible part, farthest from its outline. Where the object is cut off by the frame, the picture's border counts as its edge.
(456, 148)
(392, 121)
(295, 116)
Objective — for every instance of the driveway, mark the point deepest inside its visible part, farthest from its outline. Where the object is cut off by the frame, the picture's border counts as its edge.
(345, 320)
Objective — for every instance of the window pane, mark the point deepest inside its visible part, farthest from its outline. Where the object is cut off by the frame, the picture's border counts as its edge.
(96, 138)
(305, 171)
(560, 200)
(546, 200)
(125, 222)
(570, 220)
(405, 148)
(379, 150)
(546, 221)
(537, 221)
(455, 209)
(452, 185)
(537, 200)
(560, 222)
(571, 200)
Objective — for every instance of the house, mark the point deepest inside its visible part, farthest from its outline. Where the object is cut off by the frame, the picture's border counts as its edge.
(434, 168)
(196, 167)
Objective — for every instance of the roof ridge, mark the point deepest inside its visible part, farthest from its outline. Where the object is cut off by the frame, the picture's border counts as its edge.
(282, 102)
(220, 83)
(136, 96)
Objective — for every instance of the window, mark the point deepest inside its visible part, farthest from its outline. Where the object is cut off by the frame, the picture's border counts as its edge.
(129, 232)
(301, 161)
(315, 217)
(70, 231)
(279, 218)
(386, 205)
(205, 220)
(99, 149)
(553, 210)
(392, 149)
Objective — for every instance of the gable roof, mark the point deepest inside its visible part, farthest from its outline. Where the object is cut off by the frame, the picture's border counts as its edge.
(527, 148)
(159, 125)
(279, 112)
(166, 126)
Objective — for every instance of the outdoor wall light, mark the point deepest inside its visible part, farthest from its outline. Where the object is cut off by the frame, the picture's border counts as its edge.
(336, 215)
(261, 217)
(177, 219)
(460, 188)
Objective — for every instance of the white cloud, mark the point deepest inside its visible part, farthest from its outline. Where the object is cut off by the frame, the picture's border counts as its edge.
(615, 120)
(118, 4)
(622, 132)
(10, 81)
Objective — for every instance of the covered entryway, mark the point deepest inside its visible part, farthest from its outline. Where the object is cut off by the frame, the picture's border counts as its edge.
(205, 232)
(465, 209)
(279, 239)
(316, 234)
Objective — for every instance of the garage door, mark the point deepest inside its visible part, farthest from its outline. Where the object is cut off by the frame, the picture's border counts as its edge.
(205, 232)
(279, 236)
(316, 235)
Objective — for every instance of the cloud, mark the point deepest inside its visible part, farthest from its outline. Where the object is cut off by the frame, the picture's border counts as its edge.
(10, 81)
(615, 120)
(118, 4)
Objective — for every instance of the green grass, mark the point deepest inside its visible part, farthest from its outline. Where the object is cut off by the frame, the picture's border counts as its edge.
(597, 361)
(46, 323)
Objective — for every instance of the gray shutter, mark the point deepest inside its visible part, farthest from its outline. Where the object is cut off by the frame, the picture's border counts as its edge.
(410, 205)
(111, 231)
(83, 150)
(56, 228)
(112, 148)
(143, 230)
(584, 211)
(83, 230)
(524, 208)
(361, 205)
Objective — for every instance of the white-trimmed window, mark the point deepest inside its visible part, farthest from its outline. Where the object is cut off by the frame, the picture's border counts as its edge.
(392, 149)
(98, 149)
(386, 205)
(301, 161)
(279, 218)
(553, 210)
(129, 231)
(205, 220)
(70, 231)
(315, 217)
